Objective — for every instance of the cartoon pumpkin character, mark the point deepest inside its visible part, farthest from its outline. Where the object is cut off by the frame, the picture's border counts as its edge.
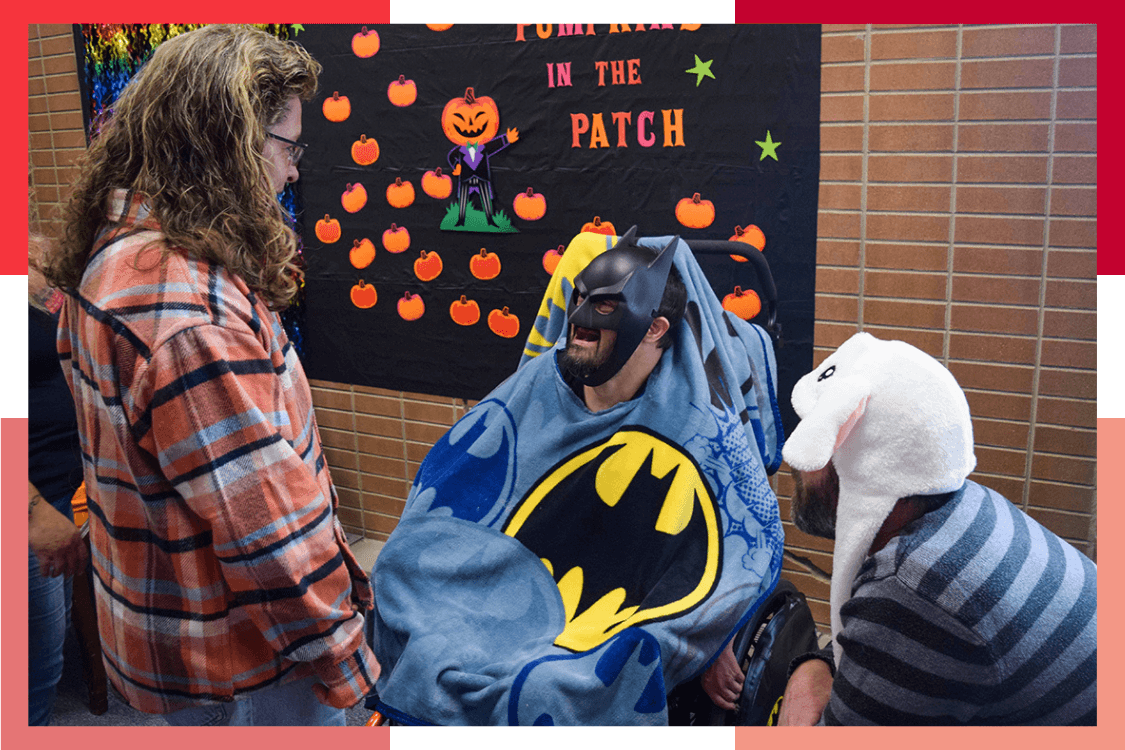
(472, 122)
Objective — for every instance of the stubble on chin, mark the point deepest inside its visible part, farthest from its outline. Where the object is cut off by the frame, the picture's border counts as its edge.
(813, 507)
(575, 363)
(580, 361)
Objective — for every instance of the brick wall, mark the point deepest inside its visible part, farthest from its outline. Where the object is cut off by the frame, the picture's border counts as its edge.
(55, 132)
(374, 441)
(958, 211)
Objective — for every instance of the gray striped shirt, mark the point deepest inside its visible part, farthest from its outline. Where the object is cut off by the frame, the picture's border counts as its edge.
(975, 614)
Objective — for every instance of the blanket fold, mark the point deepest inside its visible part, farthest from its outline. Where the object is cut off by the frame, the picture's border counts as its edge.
(558, 566)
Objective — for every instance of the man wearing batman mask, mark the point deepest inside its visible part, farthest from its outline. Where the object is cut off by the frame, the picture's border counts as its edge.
(625, 305)
(593, 532)
(614, 343)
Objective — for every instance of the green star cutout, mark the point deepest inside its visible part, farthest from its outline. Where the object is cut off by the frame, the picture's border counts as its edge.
(297, 28)
(769, 147)
(701, 69)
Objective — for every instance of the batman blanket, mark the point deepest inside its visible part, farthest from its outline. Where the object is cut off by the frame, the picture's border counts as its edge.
(559, 566)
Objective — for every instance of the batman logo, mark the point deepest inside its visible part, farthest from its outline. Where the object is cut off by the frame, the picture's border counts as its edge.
(628, 529)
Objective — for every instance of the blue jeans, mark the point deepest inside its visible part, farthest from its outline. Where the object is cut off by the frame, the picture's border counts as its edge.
(48, 611)
(292, 704)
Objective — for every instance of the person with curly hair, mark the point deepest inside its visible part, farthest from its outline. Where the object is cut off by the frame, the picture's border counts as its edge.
(226, 592)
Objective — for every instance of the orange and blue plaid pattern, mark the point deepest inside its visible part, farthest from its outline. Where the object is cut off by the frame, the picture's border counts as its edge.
(219, 564)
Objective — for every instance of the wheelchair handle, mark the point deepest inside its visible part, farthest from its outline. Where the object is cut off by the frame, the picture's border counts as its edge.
(757, 261)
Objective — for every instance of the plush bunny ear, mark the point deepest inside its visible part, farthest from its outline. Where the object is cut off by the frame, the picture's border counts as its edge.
(822, 430)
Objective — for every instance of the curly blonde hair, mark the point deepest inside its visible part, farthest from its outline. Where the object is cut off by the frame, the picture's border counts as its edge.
(188, 132)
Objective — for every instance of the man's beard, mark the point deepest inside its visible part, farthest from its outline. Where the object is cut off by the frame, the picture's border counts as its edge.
(582, 363)
(813, 507)
(577, 367)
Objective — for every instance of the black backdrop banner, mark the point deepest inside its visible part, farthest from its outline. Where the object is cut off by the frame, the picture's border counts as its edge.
(543, 130)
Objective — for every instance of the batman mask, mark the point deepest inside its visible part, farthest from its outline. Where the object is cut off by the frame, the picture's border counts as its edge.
(630, 275)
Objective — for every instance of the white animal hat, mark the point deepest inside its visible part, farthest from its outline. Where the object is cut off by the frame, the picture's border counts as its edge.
(895, 423)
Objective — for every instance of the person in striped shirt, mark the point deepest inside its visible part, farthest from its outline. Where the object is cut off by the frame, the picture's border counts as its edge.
(950, 605)
(226, 592)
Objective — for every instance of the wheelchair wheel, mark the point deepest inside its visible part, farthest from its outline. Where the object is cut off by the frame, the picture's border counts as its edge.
(781, 629)
(785, 630)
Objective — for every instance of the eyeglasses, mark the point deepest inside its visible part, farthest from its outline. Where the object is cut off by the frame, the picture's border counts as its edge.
(295, 149)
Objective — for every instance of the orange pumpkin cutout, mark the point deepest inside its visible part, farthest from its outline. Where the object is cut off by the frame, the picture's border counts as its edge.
(364, 295)
(485, 265)
(401, 193)
(327, 230)
(362, 253)
(337, 108)
(695, 212)
(470, 119)
(365, 151)
(365, 43)
(411, 306)
(752, 236)
(551, 259)
(745, 305)
(503, 323)
(396, 239)
(530, 205)
(465, 312)
(427, 266)
(354, 197)
(403, 92)
(599, 227)
(437, 185)
(439, 26)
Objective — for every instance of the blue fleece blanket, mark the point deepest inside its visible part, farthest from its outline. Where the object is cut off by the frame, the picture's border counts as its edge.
(558, 566)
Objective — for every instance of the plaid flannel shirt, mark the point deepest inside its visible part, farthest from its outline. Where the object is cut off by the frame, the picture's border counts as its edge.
(220, 566)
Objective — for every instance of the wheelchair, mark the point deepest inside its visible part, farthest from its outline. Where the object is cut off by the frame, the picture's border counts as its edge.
(782, 628)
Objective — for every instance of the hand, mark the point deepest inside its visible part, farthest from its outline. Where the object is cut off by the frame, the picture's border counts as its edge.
(806, 695)
(54, 539)
(723, 680)
(513, 135)
(457, 169)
